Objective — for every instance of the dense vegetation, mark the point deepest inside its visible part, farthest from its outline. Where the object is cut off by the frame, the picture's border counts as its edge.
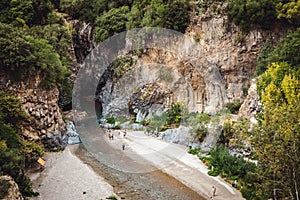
(288, 50)
(111, 17)
(274, 141)
(15, 152)
(34, 42)
(251, 14)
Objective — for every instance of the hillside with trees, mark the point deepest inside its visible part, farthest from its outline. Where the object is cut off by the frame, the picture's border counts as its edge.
(35, 40)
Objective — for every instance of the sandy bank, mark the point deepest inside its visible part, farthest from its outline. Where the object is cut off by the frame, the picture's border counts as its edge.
(67, 177)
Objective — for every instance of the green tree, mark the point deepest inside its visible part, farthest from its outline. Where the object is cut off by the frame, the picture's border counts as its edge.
(277, 138)
(12, 160)
(110, 23)
(250, 14)
(176, 114)
(25, 12)
(21, 55)
(232, 167)
(58, 36)
(32, 151)
(290, 11)
(288, 49)
(198, 123)
(21, 12)
(159, 13)
(11, 112)
(264, 58)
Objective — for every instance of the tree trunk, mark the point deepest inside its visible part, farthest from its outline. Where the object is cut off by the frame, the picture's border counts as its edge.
(295, 184)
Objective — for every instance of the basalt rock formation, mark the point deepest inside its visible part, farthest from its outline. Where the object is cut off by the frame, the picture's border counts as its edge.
(44, 122)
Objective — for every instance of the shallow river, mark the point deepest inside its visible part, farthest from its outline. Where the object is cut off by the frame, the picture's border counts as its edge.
(140, 180)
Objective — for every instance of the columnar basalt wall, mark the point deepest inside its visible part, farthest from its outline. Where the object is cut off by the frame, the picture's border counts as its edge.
(44, 122)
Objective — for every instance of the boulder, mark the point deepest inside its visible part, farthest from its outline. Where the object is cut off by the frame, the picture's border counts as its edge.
(13, 192)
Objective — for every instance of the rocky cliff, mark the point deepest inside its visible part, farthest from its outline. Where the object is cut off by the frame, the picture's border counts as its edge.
(44, 122)
(214, 69)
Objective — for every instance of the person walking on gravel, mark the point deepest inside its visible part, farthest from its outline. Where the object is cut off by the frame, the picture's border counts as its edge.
(214, 190)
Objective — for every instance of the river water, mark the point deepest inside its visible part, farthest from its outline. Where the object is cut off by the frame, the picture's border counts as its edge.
(139, 180)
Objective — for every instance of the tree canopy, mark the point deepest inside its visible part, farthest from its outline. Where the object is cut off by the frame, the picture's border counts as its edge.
(277, 137)
(111, 17)
(251, 14)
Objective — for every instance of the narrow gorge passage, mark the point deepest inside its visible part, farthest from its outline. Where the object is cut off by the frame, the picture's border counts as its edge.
(149, 167)
(153, 184)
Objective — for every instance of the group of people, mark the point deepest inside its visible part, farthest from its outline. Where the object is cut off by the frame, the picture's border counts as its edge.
(111, 136)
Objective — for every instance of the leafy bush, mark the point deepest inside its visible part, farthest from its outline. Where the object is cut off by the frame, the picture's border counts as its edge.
(290, 11)
(176, 113)
(195, 151)
(111, 120)
(169, 14)
(145, 122)
(158, 121)
(12, 159)
(32, 151)
(89, 10)
(250, 14)
(22, 55)
(112, 197)
(117, 127)
(25, 12)
(209, 8)
(263, 58)
(110, 23)
(4, 186)
(233, 107)
(277, 136)
(214, 172)
(111, 17)
(122, 65)
(198, 123)
(288, 50)
(229, 166)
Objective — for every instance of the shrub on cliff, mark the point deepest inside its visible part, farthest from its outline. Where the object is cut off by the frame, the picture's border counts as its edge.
(287, 50)
(250, 14)
(110, 23)
(176, 114)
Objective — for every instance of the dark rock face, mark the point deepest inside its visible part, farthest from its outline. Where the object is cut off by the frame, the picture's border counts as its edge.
(83, 39)
(148, 100)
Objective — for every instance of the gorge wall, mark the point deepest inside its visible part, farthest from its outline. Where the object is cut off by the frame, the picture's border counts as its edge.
(44, 122)
(215, 67)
